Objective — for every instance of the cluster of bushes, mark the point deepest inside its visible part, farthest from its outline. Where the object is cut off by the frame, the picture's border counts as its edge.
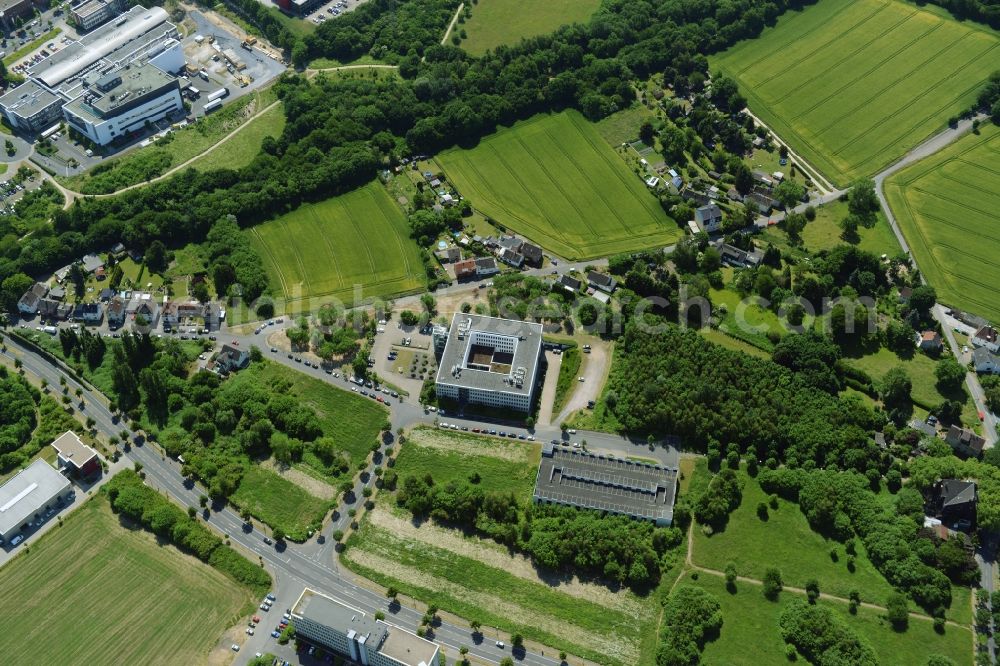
(134, 500)
(136, 168)
(841, 505)
(616, 548)
(722, 496)
(691, 616)
(233, 261)
(822, 637)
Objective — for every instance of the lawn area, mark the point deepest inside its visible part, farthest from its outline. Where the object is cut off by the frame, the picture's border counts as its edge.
(351, 420)
(497, 22)
(143, 164)
(946, 207)
(852, 85)
(750, 323)
(623, 126)
(479, 579)
(357, 241)
(920, 367)
(554, 179)
(751, 621)
(245, 145)
(104, 589)
(502, 465)
(787, 541)
(569, 370)
(824, 233)
(274, 500)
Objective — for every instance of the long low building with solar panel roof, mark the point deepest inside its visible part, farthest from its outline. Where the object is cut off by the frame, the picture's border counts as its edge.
(603, 483)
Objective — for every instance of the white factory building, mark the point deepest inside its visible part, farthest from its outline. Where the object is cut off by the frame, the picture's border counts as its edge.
(111, 82)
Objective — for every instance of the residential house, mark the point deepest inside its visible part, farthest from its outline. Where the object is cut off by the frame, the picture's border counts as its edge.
(486, 266)
(737, 258)
(91, 262)
(62, 274)
(904, 295)
(929, 341)
(956, 502)
(512, 243)
(53, 310)
(148, 312)
(214, 316)
(508, 256)
(57, 293)
(734, 195)
(116, 312)
(89, 313)
(106, 295)
(118, 249)
(764, 202)
(465, 270)
(985, 361)
(570, 284)
(965, 442)
(449, 255)
(986, 337)
(708, 218)
(695, 197)
(28, 303)
(231, 359)
(601, 281)
(924, 428)
(532, 254)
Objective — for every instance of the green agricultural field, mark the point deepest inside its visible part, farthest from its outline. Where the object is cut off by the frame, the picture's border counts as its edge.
(326, 250)
(824, 233)
(497, 22)
(947, 208)
(240, 150)
(852, 85)
(554, 179)
(502, 465)
(750, 634)
(94, 588)
(274, 500)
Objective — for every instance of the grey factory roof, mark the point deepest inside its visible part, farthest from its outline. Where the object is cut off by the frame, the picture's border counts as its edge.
(407, 648)
(100, 43)
(585, 480)
(28, 98)
(512, 374)
(27, 492)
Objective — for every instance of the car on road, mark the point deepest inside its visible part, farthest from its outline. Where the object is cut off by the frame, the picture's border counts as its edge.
(271, 596)
(249, 631)
(16, 540)
(268, 541)
(265, 607)
(256, 619)
(234, 647)
(500, 644)
(275, 634)
(273, 350)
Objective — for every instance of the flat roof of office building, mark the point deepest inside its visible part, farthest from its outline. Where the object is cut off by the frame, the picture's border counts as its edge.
(136, 80)
(604, 483)
(28, 491)
(28, 98)
(71, 449)
(89, 7)
(460, 353)
(129, 31)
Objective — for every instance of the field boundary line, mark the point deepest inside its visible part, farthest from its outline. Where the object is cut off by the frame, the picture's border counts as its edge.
(274, 262)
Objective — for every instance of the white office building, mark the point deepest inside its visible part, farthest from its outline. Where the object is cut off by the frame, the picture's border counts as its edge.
(490, 361)
(329, 624)
(28, 497)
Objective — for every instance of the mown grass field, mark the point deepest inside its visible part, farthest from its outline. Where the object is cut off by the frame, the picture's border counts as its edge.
(946, 206)
(503, 465)
(93, 591)
(278, 502)
(824, 233)
(852, 85)
(245, 145)
(496, 22)
(750, 634)
(554, 179)
(786, 540)
(327, 249)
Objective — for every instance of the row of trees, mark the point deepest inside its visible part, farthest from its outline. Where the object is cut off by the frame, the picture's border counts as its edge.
(18, 401)
(616, 548)
(130, 497)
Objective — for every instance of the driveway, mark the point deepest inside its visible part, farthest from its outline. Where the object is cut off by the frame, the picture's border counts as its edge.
(594, 371)
(549, 388)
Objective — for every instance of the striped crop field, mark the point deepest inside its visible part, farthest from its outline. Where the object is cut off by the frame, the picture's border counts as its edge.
(357, 242)
(852, 85)
(555, 180)
(946, 206)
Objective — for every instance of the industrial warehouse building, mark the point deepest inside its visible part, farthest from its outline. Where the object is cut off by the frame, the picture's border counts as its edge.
(28, 497)
(489, 361)
(615, 485)
(329, 624)
(110, 83)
